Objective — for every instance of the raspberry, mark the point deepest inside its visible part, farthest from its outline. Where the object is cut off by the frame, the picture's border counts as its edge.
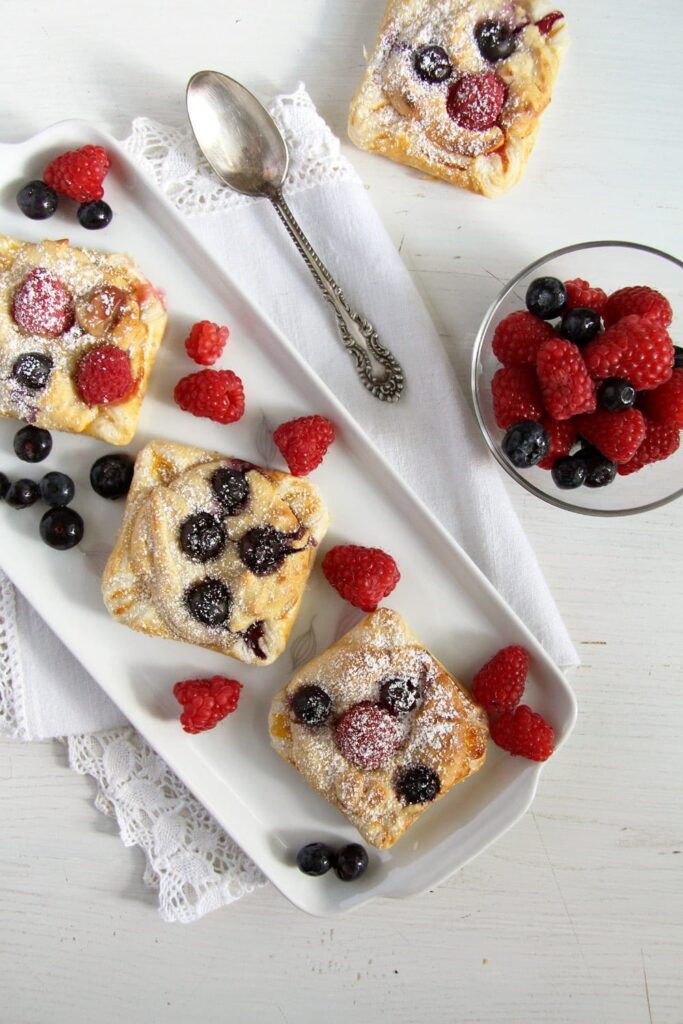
(665, 403)
(638, 301)
(476, 100)
(367, 735)
(104, 375)
(661, 441)
(79, 173)
(42, 305)
(545, 25)
(562, 434)
(499, 685)
(516, 395)
(362, 576)
(206, 702)
(205, 342)
(580, 294)
(524, 733)
(216, 394)
(518, 338)
(566, 386)
(636, 349)
(304, 442)
(616, 435)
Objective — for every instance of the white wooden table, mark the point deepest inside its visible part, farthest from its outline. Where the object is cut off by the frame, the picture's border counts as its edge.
(576, 915)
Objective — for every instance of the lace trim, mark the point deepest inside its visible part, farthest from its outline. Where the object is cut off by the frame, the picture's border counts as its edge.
(172, 158)
(190, 860)
(12, 710)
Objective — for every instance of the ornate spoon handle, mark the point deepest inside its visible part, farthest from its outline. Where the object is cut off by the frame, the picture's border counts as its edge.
(378, 370)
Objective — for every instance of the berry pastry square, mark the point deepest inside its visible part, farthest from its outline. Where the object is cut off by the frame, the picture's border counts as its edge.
(214, 551)
(79, 333)
(456, 88)
(379, 727)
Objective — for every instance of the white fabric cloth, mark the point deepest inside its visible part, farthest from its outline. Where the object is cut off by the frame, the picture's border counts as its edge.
(45, 693)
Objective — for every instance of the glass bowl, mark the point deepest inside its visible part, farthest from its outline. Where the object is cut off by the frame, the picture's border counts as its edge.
(607, 265)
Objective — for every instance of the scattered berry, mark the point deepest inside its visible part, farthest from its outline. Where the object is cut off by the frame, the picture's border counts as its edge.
(104, 375)
(95, 215)
(499, 685)
(523, 733)
(665, 403)
(661, 441)
(418, 784)
(617, 435)
(112, 475)
(580, 325)
(231, 487)
(600, 471)
(616, 394)
(569, 472)
(362, 576)
(526, 443)
(352, 860)
(315, 859)
(37, 200)
(399, 695)
(432, 64)
(562, 437)
(32, 444)
(304, 442)
(61, 528)
(205, 342)
(518, 337)
(311, 705)
(22, 494)
(79, 173)
(4, 486)
(516, 395)
(57, 489)
(546, 297)
(638, 349)
(566, 386)
(496, 40)
(209, 601)
(678, 357)
(32, 370)
(580, 293)
(367, 735)
(476, 99)
(42, 305)
(545, 25)
(638, 301)
(202, 538)
(216, 394)
(206, 702)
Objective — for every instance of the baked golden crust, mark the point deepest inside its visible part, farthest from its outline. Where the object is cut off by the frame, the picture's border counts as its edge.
(396, 114)
(447, 732)
(138, 328)
(148, 575)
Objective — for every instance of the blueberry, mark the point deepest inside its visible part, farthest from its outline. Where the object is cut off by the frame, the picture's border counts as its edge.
(418, 784)
(496, 40)
(315, 859)
(600, 471)
(678, 357)
(546, 297)
(432, 64)
(580, 325)
(398, 695)
(37, 200)
(61, 528)
(4, 486)
(526, 443)
(352, 860)
(263, 550)
(32, 370)
(22, 493)
(202, 537)
(209, 602)
(231, 487)
(569, 472)
(57, 489)
(311, 705)
(616, 394)
(32, 444)
(112, 475)
(94, 215)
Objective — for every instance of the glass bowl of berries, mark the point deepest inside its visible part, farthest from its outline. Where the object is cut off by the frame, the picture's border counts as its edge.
(578, 378)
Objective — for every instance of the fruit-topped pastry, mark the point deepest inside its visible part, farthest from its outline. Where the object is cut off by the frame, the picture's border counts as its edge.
(457, 88)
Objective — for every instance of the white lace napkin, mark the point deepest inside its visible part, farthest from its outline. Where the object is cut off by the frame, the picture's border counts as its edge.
(45, 693)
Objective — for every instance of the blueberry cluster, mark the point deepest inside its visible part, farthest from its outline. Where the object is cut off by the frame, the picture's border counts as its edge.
(38, 201)
(317, 859)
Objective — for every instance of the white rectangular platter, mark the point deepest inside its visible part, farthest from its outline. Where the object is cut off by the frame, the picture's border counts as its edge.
(261, 802)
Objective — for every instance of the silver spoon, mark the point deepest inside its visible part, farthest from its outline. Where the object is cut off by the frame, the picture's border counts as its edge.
(244, 146)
